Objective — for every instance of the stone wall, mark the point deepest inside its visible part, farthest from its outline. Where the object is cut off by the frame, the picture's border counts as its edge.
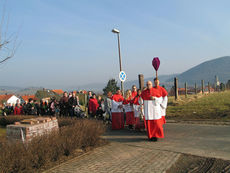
(27, 129)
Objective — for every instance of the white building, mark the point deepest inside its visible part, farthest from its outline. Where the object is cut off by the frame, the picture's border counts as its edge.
(13, 100)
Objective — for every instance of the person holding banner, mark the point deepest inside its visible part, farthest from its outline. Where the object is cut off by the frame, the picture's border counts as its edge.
(127, 103)
(117, 111)
(155, 103)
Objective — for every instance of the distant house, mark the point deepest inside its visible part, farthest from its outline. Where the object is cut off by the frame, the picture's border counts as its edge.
(10, 99)
(58, 91)
(26, 98)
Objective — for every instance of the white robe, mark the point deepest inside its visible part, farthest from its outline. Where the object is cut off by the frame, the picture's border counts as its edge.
(155, 109)
(115, 105)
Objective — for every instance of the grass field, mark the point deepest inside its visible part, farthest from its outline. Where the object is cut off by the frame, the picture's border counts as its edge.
(2, 131)
(212, 106)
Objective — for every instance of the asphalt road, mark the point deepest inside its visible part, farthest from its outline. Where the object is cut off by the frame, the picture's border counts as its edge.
(201, 140)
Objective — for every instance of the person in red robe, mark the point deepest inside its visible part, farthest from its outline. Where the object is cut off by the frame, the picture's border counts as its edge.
(93, 105)
(134, 91)
(155, 103)
(18, 109)
(138, 110)
(127, 103)
(117, 111)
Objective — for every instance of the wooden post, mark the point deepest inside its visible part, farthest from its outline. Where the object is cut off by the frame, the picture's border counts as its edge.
(202, 86)
(141, 81)
(185, 87)
(209, 89)
(195, 89)
(176, 88)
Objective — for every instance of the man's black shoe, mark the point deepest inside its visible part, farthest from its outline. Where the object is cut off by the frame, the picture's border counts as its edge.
(154, 139)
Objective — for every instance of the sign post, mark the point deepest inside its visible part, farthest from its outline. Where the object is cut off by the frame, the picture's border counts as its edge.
(122, 77)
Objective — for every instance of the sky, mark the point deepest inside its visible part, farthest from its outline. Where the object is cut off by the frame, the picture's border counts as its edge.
(69, 43)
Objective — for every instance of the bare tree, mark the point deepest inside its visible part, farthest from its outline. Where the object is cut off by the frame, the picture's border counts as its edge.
(7, 42)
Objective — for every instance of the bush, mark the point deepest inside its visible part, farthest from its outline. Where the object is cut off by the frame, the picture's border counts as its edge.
(47, 149)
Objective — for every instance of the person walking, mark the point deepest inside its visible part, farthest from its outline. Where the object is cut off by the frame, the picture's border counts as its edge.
(138, 109)
(117, 111)
(134, 91)
(127, 103)
(155, 103)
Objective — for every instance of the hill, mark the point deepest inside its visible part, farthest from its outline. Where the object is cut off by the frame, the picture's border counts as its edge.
(97, 87)
(18, 90)
(207, 71)
(163, 81)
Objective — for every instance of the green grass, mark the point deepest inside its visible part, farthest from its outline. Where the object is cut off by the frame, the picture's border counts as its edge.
(2, 131)
(212, 106)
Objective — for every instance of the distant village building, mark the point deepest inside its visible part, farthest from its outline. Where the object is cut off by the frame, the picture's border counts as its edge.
(25, 98)
(58, 91)
(9, 99)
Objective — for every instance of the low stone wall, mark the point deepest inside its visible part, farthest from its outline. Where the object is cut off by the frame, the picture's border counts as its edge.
(27, 129)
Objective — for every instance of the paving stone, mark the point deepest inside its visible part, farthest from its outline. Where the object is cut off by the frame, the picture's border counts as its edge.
(117, 157)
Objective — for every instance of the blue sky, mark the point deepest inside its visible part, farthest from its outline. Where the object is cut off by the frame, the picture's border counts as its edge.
(70, 43)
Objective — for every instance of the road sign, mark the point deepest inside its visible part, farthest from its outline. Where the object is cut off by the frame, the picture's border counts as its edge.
(122, 76)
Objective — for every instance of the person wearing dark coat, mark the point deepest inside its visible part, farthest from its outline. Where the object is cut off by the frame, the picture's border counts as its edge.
(72, 104)
(64, 104)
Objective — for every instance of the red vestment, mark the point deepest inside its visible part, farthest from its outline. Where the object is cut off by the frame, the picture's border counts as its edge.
(154, 110)
(117, 112)
(134, 93)
(137, 111)
(18, 110)
(93, 105)
(129, 112)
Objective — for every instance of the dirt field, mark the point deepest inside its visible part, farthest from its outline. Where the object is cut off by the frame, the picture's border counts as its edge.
(195, 164)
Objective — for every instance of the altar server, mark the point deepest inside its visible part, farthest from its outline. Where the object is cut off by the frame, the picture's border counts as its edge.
(117, 111)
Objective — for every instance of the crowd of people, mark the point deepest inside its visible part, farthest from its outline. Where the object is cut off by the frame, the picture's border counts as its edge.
(148, 105)
(136, 106)
(68, 105)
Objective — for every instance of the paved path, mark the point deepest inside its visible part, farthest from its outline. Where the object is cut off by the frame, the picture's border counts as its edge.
(202, 140)
(130, 151)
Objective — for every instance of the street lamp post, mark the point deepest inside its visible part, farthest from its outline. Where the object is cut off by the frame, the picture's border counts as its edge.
(116, 31)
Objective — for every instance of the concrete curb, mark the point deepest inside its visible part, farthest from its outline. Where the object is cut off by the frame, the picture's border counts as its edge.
(209, 122)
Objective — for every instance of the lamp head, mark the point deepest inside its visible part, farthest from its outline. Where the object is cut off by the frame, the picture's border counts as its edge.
(116, 31)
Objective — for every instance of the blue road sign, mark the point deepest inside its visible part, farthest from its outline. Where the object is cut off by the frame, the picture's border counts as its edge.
(122, 76)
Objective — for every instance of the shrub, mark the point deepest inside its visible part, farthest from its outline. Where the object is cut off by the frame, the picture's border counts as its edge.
(47, 149)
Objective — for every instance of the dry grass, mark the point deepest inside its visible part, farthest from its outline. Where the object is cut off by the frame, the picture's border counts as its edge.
(46, 150)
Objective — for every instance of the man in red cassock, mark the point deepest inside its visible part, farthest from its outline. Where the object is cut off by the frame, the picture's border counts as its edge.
(155, 103)
(117, 111)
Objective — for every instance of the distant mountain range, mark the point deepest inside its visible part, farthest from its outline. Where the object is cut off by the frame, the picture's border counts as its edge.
(18, 90)
(207, 71)
(98, 87)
